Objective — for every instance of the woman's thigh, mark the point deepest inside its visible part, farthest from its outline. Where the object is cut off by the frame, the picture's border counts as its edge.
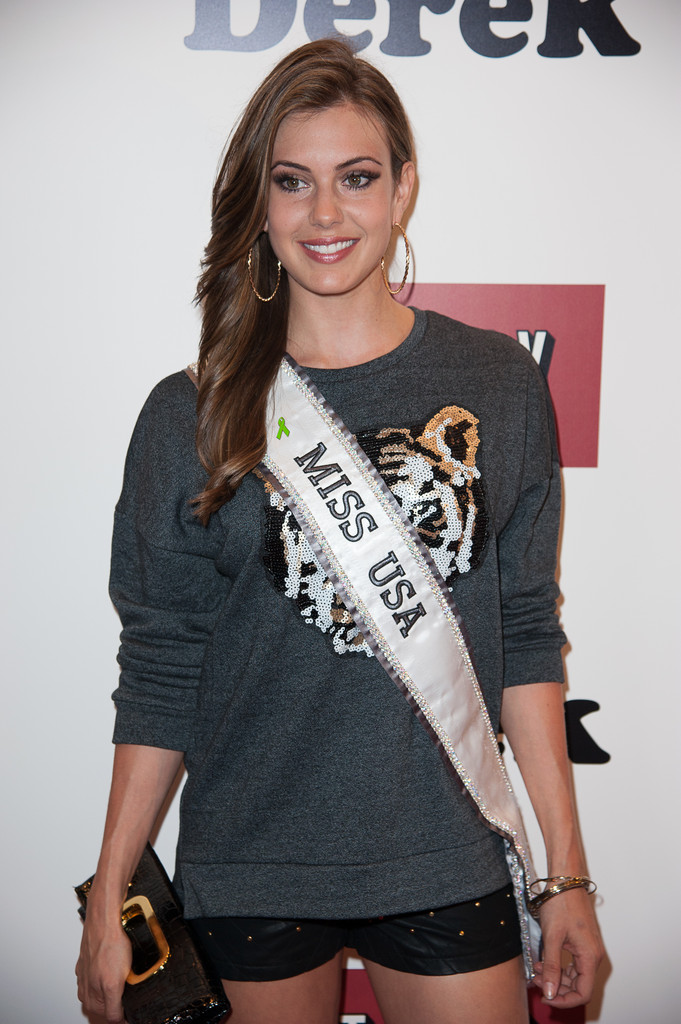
(309, 998)
(495, 995)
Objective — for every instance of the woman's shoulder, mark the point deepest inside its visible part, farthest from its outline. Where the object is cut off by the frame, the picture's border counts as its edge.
(172, 396)
(168, 415)
(478, 346)
(162, 458)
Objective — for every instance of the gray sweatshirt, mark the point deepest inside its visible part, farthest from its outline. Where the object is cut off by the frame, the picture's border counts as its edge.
(312, 790)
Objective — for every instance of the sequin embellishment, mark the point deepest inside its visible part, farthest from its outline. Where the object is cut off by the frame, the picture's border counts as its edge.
(431, 472)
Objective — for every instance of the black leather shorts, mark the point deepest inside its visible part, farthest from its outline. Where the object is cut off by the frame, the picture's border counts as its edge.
(450, 940)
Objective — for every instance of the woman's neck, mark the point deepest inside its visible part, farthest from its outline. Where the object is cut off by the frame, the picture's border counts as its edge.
(333, 331)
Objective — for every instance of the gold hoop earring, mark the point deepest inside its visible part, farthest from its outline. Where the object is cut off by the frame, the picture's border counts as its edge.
(407, 261)
(250, 278)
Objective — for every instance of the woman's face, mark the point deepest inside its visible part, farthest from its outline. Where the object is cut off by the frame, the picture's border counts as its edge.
(333, 200)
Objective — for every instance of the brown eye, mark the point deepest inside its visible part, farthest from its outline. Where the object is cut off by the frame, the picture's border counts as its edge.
(289, 182)
(359, 179)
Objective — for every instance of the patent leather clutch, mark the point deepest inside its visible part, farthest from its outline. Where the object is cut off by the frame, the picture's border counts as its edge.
(171, 980)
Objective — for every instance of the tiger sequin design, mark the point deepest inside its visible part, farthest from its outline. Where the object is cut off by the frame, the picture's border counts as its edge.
(432, 471)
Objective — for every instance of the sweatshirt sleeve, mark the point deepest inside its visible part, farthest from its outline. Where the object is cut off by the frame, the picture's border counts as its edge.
(528, 544)
(164, 582)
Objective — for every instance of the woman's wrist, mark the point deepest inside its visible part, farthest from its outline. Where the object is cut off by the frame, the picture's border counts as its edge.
(566, 867)
(104, 908)
(542, 890)
(108, 891)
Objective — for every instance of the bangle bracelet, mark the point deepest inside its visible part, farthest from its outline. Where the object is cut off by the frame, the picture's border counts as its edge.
(554, 886)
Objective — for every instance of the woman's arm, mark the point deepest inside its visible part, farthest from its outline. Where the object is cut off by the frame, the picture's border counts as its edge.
(168, 593)
(533, 720)
(142, 777)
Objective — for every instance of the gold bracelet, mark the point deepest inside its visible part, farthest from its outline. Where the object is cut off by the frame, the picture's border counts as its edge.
(554, 886)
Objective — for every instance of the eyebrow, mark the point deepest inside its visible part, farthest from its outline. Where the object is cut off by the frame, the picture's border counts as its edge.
(338, 167)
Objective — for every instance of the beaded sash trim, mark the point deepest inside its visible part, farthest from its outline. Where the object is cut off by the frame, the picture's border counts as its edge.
(388, 581)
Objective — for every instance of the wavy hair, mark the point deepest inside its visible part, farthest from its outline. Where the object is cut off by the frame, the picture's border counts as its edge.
(242, 339)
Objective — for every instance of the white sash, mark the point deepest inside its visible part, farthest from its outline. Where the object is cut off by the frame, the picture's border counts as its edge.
(400, 602)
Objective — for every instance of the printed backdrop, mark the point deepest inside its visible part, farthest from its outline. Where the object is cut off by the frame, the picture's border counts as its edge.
(547, 208)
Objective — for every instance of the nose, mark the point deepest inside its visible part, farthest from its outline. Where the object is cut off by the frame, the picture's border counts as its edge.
(325, 209)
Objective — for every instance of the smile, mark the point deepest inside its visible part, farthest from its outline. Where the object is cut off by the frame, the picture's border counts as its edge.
(329, 248)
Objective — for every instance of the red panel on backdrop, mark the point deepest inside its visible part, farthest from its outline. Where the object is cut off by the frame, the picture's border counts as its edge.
(562, 324)
(358, 998)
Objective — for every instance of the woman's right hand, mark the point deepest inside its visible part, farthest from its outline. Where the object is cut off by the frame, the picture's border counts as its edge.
(142, 777)
(103, 965)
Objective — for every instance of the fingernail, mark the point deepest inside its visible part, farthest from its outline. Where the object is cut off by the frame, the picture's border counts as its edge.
(549, 991)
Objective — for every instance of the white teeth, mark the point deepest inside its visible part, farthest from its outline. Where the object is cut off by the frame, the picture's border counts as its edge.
(328, 250)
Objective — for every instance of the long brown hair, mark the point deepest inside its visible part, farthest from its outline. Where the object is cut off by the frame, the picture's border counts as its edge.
(242, 339)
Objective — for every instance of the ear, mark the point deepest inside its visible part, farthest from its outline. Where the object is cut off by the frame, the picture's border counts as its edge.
(403, 190)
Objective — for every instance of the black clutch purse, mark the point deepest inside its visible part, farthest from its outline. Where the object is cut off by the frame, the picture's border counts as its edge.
(171, 980)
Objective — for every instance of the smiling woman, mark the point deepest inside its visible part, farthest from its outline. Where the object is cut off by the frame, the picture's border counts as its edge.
(332, 205)
(285, 148)
(286, 578)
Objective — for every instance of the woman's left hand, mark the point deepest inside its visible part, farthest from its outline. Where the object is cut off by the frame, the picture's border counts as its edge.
(569, 925)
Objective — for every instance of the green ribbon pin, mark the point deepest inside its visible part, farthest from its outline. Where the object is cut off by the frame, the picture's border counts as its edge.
(283, 429)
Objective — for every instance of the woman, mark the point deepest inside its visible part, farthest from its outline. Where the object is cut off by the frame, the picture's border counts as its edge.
(317, 812)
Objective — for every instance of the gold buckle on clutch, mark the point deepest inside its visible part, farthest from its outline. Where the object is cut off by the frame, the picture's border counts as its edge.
(133, 908)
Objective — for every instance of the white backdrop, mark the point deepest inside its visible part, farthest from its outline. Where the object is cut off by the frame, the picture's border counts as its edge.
(532, 170)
